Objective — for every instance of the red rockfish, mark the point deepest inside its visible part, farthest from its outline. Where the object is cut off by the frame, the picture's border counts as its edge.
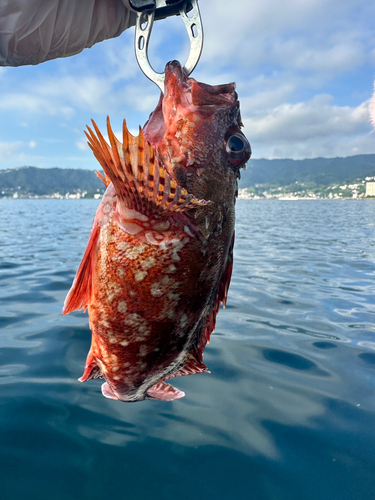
(159, 259)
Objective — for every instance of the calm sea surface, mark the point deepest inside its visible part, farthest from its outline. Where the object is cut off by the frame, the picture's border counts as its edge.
(287, 413)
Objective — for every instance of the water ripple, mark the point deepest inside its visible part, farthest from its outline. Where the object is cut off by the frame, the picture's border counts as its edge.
(287, 411)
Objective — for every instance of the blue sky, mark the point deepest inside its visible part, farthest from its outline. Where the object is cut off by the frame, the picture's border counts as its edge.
(304, 71)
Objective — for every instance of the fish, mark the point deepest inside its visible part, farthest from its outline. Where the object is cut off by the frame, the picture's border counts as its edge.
(159, 258)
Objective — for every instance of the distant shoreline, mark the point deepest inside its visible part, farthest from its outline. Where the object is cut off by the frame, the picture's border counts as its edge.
(36, 198)
(307, 199)
(300, 198)
(284, 179)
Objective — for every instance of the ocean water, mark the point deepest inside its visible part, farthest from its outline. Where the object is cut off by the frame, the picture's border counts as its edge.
(288, 411)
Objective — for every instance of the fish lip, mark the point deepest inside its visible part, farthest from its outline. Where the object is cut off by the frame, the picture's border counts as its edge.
(176, 84)
(174, 68)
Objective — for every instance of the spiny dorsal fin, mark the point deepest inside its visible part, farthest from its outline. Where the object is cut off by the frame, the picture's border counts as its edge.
(105, 180)
(137, 175)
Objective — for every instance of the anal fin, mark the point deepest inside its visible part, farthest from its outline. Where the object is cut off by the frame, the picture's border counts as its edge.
(164, 392)
(192, 366)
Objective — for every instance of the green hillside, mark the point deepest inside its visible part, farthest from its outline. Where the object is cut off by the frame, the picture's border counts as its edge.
(35, 181)
(321, 171)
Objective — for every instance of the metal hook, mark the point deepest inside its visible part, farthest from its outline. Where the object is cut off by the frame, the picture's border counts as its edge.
(193, 24)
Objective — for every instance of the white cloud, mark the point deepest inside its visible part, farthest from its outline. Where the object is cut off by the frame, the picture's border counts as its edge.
(262, 93)
(332, 56)
(66, 96)
(310, 129)
(63, 96)
(141, 97)
(7, 149)
(327, 37)
(372, 109)
(34, 104)
(32, 144)
(315, 118)
(121, 63)
(82, 145)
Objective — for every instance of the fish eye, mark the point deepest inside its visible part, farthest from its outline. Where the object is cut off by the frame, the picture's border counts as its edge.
(238, 148)
(235, 144)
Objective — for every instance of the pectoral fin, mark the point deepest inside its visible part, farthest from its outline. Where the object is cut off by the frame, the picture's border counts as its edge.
(80, 293)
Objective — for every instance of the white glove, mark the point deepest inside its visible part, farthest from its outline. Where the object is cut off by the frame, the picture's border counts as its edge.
(33, 31)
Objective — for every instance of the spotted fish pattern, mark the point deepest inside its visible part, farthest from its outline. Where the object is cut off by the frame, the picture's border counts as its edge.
(160, 254)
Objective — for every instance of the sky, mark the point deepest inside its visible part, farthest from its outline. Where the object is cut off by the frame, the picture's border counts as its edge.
(304, 71)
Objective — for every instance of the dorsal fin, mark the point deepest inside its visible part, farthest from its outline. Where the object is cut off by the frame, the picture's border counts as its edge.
(140, 180)
(105, 180)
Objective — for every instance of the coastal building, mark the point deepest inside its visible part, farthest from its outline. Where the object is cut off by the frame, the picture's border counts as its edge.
(370, 188)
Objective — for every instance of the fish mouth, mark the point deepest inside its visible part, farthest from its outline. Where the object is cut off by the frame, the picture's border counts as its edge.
(174, 71)
(183, 95)
(188, 92)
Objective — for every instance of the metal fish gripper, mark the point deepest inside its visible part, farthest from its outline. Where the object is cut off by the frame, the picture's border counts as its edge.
(152, 10)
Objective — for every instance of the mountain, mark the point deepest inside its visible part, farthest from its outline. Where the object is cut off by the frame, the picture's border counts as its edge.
(322, 171)
(33, 181)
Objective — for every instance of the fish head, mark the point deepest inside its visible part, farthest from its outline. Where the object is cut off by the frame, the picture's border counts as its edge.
(196, 131)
